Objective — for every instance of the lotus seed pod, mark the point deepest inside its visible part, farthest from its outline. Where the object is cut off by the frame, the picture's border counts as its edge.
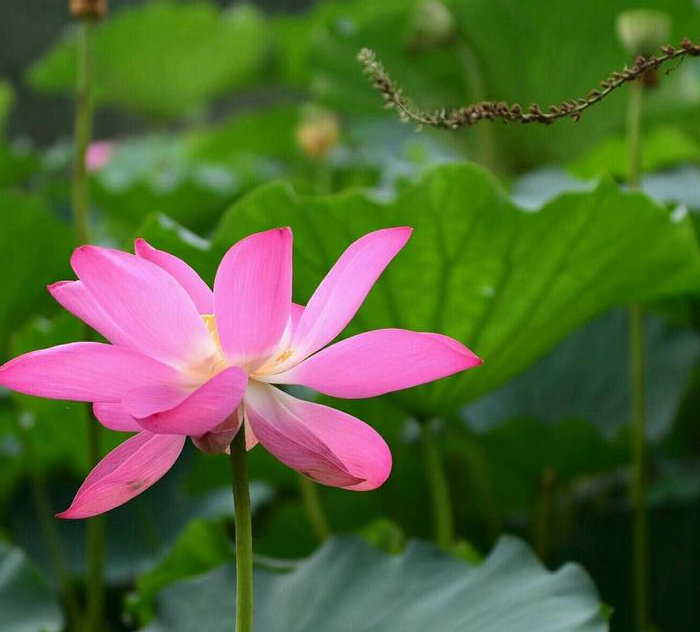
(643, 31)
(432, 25)
(318, 133)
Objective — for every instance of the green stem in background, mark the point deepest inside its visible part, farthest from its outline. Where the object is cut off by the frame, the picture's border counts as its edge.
(49, 531)
(485, 138)
(95, 540)
(439, 489)
(544, 513)
(323, 177)
(244, 533)
(81, 206)
(314, 508)
(634, 131)
(638, 492)
(83, 132)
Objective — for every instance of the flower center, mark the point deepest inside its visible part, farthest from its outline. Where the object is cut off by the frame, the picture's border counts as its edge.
(272, 365)
(210, 322)
(216, 362)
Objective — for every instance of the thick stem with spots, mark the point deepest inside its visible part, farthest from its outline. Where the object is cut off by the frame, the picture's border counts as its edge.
(244, 533)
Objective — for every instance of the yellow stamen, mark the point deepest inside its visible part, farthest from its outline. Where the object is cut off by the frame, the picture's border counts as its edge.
(210, 322)
(284, 355)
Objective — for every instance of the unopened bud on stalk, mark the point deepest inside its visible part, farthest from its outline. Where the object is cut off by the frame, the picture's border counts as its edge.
(318, 133)
(432, 24)
(643, 31)
(93, 9)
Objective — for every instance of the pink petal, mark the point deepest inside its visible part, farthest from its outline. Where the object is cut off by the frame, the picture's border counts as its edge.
(124, 473)
(147, 304)
(114, 417)
(340, 294)
(199, 291)
(74, 296)
(148, 399)
(83, 371)
(378, 362)
(295, 316)
(325, 444)
(253, 294)
(202, 411)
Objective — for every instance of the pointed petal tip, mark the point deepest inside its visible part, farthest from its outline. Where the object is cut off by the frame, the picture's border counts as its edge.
(141, 246)
(66, 515)
(52, 287)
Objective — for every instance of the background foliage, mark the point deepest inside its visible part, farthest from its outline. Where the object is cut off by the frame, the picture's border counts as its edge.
(527, 247)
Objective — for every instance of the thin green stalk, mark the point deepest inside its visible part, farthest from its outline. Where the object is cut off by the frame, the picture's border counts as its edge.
(81, 206)
(83, 131)
(314, 508)
(634, 131)
(638, 491)
(244, 533)
(95, 542)
(439, 488)
(544, 514)
(486, 141)
(323, 176)
(50, 534)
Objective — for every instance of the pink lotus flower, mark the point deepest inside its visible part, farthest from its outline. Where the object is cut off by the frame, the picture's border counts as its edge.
(98, 155)
(188, 362)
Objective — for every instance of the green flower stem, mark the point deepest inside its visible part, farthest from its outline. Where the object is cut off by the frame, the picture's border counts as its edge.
(439, 489)
(244, 533)
(83, 131)
(95, 541)
(323, 176)
(49, 531)
(81, 205)
(314, 508)
(638, 491)
(544, 514)
(634, 130)
(486, 141)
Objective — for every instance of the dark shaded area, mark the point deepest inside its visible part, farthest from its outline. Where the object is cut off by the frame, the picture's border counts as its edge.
(29, 28)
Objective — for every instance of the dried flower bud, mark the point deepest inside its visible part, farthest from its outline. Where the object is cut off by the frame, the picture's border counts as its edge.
(643, 31)
(318, 133)
(432, 24)
(94, 9)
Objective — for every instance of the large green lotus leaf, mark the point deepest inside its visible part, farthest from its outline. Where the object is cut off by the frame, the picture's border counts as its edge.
(508, 283)
(540, 56)
(163, 58)
(153, 174)
(349, 585)
(34, 251)
(202, 546)
(587, 377)
(27, 604)
(264, 132)
(661, 148)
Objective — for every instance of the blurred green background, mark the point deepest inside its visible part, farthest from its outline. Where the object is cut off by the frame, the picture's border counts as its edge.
(219, 119)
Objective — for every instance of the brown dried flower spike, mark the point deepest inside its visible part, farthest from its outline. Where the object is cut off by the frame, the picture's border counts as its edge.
(93, 9)
(468, 115)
